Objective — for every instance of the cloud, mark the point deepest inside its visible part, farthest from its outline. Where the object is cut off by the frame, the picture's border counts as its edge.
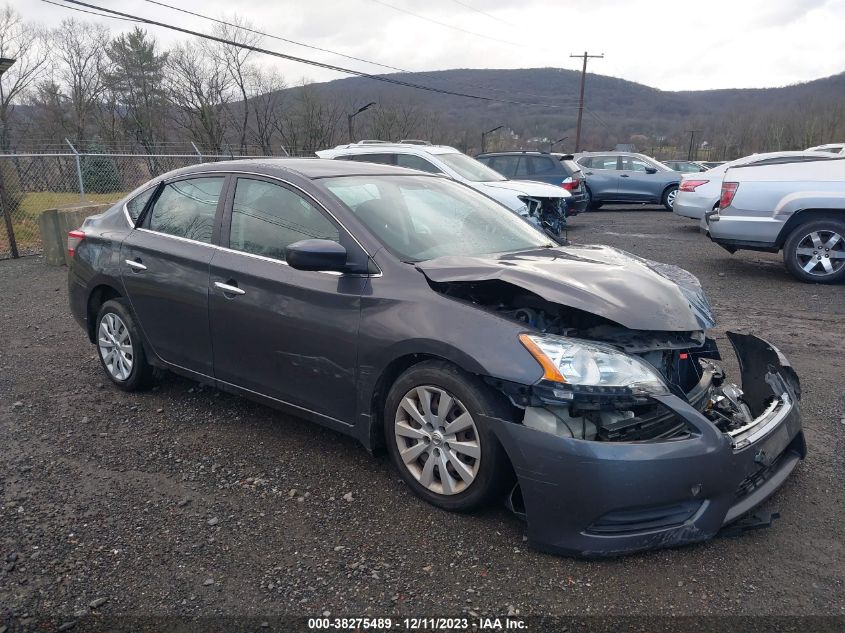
(661, 43)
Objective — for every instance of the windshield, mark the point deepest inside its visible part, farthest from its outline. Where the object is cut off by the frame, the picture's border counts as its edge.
(470, 169)
(419, 218)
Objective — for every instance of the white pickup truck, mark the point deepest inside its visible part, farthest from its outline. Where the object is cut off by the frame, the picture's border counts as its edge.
(795, 207)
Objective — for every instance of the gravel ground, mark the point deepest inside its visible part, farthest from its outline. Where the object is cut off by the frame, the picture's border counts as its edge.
(187, 501)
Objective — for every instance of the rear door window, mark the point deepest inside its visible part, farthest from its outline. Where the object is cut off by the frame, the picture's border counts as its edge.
(541, 165)
(604, 162)
(505, 165)
(187, 208)
(137, 204)
(416, 162)
(382, 159)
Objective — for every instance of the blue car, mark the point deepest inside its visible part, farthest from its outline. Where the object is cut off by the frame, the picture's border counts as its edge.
(627, 177)
(554, 169)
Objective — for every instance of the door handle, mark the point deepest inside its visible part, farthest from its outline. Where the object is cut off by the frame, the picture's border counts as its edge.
(228, 288)
(588, 173)
(136, 265)
(624, 176)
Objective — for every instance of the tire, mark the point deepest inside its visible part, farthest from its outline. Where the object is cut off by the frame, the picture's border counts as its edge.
(814, 252)
(668, 199)
(592, 204)
(490, 471)
(128, 370)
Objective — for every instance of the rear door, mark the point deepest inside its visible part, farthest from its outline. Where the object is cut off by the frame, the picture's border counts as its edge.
(165, 268)
(602, 175)
(281, 332)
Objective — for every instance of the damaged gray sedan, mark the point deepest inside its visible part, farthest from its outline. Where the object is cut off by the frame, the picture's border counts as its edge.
(577, 384)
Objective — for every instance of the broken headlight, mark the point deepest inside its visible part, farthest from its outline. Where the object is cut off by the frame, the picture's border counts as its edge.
(586, 364)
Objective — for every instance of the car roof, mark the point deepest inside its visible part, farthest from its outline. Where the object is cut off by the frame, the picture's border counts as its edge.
(309, 168)
(380, 147)
(526, 152)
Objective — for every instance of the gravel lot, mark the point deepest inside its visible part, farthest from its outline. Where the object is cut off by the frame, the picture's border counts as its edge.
(186, 500)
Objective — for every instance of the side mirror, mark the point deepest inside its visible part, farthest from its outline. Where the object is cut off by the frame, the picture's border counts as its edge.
(651, 170)
(322, 255)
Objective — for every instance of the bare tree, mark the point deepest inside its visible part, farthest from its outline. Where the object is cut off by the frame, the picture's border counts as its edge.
(23, 43)
(311, 122)
(199, 89)
(265, 107)
(80, 68)
(236, 61)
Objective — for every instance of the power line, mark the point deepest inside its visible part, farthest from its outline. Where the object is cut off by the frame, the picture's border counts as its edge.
(449, 26)
(100, 15)
(311, 62)
(275, 37)
(332, 52)
(489, 15)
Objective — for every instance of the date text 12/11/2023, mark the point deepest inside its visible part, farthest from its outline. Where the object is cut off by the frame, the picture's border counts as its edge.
(417, 624)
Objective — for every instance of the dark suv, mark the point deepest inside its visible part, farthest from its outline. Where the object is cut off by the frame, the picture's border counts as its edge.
(555, 169)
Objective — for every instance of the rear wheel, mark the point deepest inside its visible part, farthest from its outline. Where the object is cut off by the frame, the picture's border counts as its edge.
(815, 252)
(438, 438)
(669, 198)
(119, 347)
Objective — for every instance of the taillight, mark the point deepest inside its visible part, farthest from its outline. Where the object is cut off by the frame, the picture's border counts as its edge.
(728, 193)
(571, 184)
(74, 239)
(690, 185)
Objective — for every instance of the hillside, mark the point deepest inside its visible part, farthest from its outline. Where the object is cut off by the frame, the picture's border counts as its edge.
(617, 109)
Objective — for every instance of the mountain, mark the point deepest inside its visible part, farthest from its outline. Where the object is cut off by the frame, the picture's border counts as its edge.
(616, 109)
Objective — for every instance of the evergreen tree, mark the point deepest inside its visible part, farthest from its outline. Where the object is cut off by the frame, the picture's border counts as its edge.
(99, 173)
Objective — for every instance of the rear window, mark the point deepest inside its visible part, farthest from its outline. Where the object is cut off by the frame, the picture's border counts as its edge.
(186, 208)
(570, 167)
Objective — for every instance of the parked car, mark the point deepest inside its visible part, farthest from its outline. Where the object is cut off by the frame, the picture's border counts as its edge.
(699, 193)
(685, 166)
(830, 148)
(555, 169)
(418, 315)
(539, 203)
(619, 177)
(796, 207)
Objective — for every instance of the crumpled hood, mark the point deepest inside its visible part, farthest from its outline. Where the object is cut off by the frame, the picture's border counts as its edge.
(529, 188)
(637, 293)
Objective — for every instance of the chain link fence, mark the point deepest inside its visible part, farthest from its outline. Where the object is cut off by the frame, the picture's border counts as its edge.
(32, 183)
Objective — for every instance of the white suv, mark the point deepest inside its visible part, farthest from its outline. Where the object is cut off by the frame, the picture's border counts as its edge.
(541, 204)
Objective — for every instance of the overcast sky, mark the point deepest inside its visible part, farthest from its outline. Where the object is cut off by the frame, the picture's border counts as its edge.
(667, 44)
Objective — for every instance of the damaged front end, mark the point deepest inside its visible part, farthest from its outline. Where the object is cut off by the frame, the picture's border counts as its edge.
(634, 438)
(549, 214)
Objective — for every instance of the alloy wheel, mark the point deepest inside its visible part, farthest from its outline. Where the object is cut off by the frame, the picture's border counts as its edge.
(438, 441)
(115, 345)
(670, 197)
(821, 253)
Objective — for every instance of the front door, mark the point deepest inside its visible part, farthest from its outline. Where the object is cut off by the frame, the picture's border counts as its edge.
(635, 183)
(281, 332)
(165, 264)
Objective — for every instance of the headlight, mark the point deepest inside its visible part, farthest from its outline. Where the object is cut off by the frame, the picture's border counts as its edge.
(587, 364)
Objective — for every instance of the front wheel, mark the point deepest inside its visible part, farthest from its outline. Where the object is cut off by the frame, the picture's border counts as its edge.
(815, 252)
(438, 438)
(669, 198)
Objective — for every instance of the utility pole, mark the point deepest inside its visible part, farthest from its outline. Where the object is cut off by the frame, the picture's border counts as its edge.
(692, 134)
(585, 56)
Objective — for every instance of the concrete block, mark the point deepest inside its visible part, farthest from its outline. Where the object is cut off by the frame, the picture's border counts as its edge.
(55, 225)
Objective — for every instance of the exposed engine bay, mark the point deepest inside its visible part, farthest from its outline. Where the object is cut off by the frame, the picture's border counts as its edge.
(689, 362)
(548, 213)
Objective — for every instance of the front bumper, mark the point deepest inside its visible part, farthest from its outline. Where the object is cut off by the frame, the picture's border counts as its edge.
(591, 498)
